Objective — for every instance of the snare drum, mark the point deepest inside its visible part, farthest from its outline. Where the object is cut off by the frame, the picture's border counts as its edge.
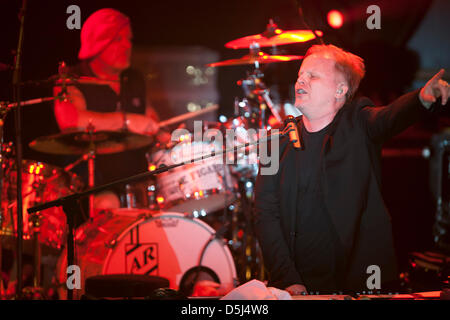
(166, 244)
(197, 188)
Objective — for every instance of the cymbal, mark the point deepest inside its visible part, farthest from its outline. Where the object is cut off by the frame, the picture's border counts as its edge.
(260, 58)
(85, 80)
(57, 80)
(79, 142)
(279, 38)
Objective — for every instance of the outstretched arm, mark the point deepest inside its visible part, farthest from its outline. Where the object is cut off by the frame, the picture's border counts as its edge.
(385, 122)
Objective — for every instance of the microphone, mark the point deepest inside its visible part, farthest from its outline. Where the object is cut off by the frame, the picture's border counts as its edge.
(292, 130)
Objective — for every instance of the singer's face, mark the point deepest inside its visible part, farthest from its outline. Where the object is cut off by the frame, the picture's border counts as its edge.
(316, 86)
(118, 53)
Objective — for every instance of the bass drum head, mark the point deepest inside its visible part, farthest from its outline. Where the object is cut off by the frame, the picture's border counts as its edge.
(168, 245)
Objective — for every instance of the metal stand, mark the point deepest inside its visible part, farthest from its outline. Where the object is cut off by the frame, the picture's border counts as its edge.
(249, 252)
(18, 123)
(91, 167)
(441, 186)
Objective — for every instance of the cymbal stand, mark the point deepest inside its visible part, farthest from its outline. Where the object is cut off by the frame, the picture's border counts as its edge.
(18, 124)
(251, 255)
(255, 88)
(91, 167)
(36, 292)
(2, 118)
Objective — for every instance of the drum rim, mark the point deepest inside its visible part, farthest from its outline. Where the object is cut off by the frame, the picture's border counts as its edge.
(62, 259)
(207, 227)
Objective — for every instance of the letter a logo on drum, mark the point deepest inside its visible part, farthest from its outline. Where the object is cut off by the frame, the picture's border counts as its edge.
(142, 258)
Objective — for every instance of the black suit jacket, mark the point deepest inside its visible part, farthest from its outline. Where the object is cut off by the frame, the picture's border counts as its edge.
(350, 177)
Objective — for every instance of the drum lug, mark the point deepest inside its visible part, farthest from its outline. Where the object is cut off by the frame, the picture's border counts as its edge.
(110, 244)
(145, 216)
(188, 215)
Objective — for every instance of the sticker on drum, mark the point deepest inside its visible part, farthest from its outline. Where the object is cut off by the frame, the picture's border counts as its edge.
(199, 188)
(167, 244)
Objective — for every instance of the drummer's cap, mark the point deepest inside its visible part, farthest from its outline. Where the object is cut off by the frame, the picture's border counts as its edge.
(99, 29)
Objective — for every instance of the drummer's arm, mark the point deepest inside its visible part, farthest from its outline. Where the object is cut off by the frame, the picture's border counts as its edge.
(163, 135)
(73, 113)
(151, 113)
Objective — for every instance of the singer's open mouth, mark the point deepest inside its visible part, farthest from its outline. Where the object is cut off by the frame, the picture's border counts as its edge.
(301, 91)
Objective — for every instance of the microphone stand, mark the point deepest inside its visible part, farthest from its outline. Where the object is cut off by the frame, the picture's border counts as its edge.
(72, 208)
(18, 124)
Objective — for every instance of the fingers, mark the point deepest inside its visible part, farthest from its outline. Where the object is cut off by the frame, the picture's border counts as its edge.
(435, 88)
(444, 90)
(437, 76)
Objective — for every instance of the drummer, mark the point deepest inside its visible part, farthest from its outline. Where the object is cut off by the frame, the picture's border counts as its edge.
(106, 44)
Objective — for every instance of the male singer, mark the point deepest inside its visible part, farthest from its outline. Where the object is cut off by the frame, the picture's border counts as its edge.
(321, 220)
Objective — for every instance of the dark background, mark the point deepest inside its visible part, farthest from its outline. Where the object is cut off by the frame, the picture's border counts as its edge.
(392, 69)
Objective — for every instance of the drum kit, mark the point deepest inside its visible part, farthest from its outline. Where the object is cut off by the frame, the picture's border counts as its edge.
(196, 222)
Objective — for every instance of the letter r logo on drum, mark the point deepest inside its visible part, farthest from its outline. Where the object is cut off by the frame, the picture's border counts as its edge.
(74, 280)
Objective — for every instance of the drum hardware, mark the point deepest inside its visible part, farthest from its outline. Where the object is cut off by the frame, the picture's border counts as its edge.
(152, 197)
(41, 182)
(71, 206)
(130, 197)
(254, 88)
(5, 107)
(440, 178)
(111, 244)
(35, 222)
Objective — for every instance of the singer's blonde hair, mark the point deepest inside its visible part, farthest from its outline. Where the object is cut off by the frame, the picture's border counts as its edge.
(348, 64)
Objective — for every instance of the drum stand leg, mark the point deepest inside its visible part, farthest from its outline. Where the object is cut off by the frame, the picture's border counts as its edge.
(252, 263)
(37, 251)
(91, 171)
(35, 292)
(2, 288)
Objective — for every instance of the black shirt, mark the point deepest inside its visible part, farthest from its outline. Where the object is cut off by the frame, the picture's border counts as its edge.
(101, 98)
(316, 252)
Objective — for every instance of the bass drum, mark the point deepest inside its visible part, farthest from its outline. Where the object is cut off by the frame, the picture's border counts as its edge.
(166, 244)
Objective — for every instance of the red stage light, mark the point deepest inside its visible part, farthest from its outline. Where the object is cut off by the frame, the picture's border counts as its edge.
(335, 19)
